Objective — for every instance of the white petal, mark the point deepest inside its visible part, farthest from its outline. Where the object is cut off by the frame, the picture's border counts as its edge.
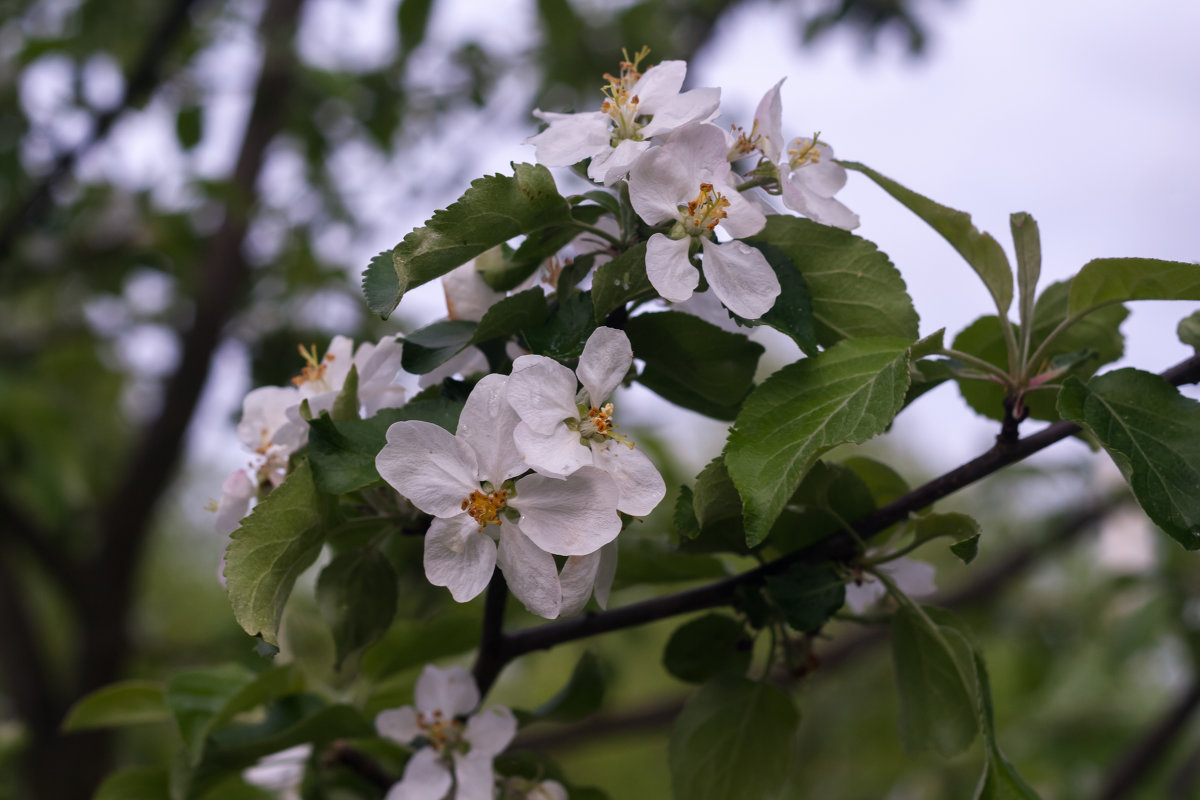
(605, 574)
(235, 501)
(264, 411)
(825, 210)
(475, 779)
(466, 362)
(768, 121)
(451, 691)
(486, 424)
(425, 463)
(741, 277)
(542, 392)
(698, 105)
(459, 557)
(826, 177)
(911, 576)
(569, 517)
(577, 579)
(556, 454)
(613, 163)
(425, 778)
(605, 360)
(570, 137)
(530, 572)
(670, 271)
(398, 724)
(744, 216)
(658, 183)
(659, 84)
(700, 153)
(468, 295)
(861, 596)
(640, 485)
(548, 790)
(490, 731)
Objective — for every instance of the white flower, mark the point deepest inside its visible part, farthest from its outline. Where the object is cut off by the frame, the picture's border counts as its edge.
(455, 753)
(518, 788)
(280, 773)
(638, 107)
(465, 480)
(562, 430)
(808, 175)
(687, 180)
(911, 576)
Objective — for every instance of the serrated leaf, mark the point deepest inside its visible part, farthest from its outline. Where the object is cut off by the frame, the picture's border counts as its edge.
(937, 709)
(693, 363)
(807, 594)
(118, 705)
(582, 695)
(792, 313)
(928, 345)
(342, 453)
(1028, 245)
(684, 515)
(967, 549)
(620, 280)
(196, 697)
(1152, 433)
(566, 329)
(707, 646)
(855, 290)
(495, 209)
(980, 250)
(381, 285)
(830, 495)
(511, 315)
(428, 348)
(1117, 280)
(848, 393)
(734, 738)
(356, 594)
(883, 482)
(280, 539)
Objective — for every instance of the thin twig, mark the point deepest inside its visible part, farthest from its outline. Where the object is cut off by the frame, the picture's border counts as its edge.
(1152, 747)
(490, 659)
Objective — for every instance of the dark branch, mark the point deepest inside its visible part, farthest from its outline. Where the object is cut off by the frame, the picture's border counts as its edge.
(1152, 747)
(490, 659)
(836, 548)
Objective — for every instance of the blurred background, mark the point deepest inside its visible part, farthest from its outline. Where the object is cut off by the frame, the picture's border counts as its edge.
(189, 188)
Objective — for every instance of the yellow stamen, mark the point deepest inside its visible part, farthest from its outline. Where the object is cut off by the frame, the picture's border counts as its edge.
(442, 733)
(485, 508)
(707, 209)
(314, 368)
(805, 152)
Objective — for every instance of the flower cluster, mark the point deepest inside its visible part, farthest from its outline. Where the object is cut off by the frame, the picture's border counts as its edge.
(272, 428)
(534, 470)
(679, 170)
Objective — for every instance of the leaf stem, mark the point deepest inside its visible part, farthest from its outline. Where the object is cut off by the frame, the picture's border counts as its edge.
(975, 361)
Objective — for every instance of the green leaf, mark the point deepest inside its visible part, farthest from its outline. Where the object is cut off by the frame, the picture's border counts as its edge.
(952, 525)
(734, 738)
(966, 549)
(884, 483)
(1000, 780)
(345, 405)
(831, 495)
(621, 280)
(196, 697)
(684, 514)
(118, 705)
(645, 561)
(1189, 330)
(1116, 280)
(413, 642)
(566, 329)
(937, 710)
(342, 453)
(928, 345)
(381, 285)
(1028, 244)
(848, 393)
(693, 363)
(189, 126)
(1152, 433)
(135, 783)
(855, 290)
(278, 541)
(512, 315)
(582, 695)
(792, 313)
(807, 594)
(495, 209)
(707, 646)
(357, 597)
(980, 250)
(413, 18)
(428, 348)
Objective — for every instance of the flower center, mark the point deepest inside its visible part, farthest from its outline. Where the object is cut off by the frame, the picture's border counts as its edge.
(744, 143)
(805, 152)
(596, 425)
(444, 733)
(485, 508)
(620, 103)
(705, 211)
(313, 373)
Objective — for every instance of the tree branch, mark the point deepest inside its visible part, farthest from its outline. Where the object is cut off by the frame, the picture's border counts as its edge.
(1152, 747)
(839, 547)
(490, 660)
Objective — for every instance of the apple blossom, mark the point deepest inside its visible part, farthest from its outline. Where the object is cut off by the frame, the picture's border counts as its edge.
(562, 430)
(456, 746)
(687, 181)
(469, 482)
(638, 107)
